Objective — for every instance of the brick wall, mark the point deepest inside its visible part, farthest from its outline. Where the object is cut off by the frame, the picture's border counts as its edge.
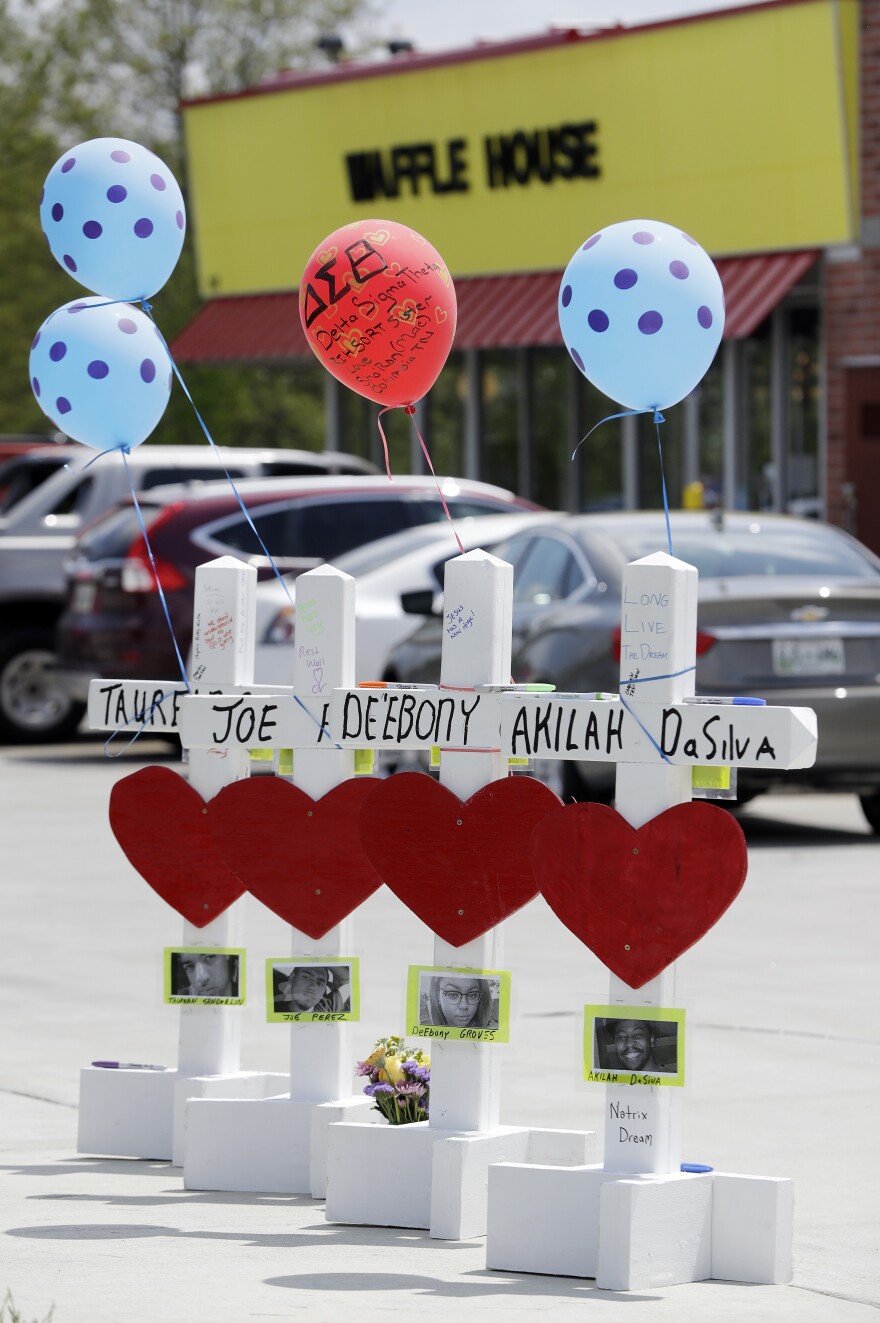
(851, 294)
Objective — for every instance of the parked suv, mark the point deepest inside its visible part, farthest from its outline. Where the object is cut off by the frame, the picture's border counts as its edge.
(114, 625)
(38, 533)
(23, 473)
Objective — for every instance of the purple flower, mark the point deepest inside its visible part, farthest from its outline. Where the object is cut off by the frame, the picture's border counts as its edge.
(414, 1071)
(374, 1090)
(411, 1090)
(361, 1068)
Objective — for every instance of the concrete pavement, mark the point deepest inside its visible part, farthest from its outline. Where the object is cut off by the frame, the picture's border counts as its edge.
(783, 1079)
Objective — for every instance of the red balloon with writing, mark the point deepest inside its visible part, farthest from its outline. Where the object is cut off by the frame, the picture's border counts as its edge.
(378, 308)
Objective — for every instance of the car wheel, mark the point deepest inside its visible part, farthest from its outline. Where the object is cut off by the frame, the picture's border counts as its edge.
(871, 809)
(34, 708)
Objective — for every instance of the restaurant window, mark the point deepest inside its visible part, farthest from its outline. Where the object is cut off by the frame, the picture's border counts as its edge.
(445, 407)
(754, 488)
(600, 456)
(499, 433)
(550, 450)
(803, 411)
(710, 449)
(358, 434)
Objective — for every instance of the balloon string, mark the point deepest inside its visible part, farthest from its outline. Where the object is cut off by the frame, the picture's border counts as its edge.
(385, 440)
(279, 576)
(648, 679)
(627, 413)
(411, 410)
(144, 716)
(124, 450)
(148, 309)
(658, 419)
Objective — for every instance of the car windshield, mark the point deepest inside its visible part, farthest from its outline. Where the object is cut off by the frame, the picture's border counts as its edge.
(757, 550)
(374, 555)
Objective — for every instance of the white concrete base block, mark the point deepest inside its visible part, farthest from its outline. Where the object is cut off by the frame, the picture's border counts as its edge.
(654, 1231)
(636, 1232)
(324, 1115)
(380, 1175)
(563, 1148)
(460, 1176)
(416, 1176)
(261, 1145)
(544, 1218)
(752, 1227)
(139, 1113)
(126, 1113)
(252, 1084)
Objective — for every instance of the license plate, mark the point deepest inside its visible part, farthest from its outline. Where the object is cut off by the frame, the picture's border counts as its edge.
(808, 657)
(83, 597)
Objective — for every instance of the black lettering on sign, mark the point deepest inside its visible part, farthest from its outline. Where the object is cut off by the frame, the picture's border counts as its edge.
(669, 742)
(520, 732)
(426, 707)
(351, 706)
(591, 736)
(615, 728)
(376, 173)
(367, 178)
(564, 152)
(108, 689)
(407, 707)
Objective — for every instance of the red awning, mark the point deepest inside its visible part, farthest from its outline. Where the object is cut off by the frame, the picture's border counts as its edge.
(494, 312)
(754, 286)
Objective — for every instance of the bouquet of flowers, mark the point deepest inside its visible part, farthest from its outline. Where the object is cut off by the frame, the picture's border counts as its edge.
(400, 1080)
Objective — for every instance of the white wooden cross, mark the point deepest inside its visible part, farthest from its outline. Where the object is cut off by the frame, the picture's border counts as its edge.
(641, 1224)
(134, 1112)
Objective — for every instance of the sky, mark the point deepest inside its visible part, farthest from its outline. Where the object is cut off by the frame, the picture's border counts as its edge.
(443, 24)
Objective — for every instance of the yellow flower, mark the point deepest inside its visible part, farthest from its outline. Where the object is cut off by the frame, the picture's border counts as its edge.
(393, 1072)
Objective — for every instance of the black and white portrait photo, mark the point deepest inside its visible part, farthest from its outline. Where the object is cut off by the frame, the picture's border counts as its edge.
(204, 974)
(640, 1046)
(311, 988)
(461, 1001)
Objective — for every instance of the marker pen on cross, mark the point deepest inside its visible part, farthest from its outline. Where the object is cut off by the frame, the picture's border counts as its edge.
(715, 701)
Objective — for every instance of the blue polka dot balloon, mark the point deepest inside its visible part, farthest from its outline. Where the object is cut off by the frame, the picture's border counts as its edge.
(101, 372)
(641, 309)
(114, 217)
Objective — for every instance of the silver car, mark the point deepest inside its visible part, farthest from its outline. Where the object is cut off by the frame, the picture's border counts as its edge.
(789, 611)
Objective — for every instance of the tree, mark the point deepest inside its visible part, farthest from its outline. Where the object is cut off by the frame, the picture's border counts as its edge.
(76, 69)
(31, 282)
(136, 60)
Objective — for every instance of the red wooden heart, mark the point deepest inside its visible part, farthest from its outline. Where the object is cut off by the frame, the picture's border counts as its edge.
(161, 824)
(461, 867)
(301, 857)
(639, 898)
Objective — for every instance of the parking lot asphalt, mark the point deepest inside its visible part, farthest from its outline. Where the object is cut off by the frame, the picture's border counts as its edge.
(783, 1079)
